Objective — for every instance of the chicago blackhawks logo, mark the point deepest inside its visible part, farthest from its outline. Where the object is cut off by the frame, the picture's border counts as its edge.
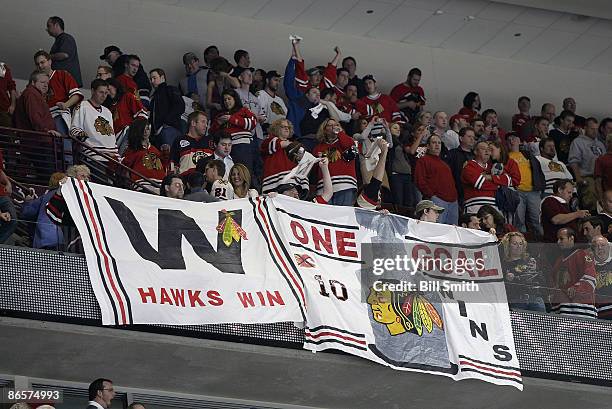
(230, 230)
(102, 126)
(277, 108)
(555, 166)
(196, 156)
(151, 161)
(404, 312)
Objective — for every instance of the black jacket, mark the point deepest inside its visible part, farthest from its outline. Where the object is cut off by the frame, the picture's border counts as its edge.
(167, 106)
(537, 175)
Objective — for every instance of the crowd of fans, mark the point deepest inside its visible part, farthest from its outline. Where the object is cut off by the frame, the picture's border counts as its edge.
(227, 132)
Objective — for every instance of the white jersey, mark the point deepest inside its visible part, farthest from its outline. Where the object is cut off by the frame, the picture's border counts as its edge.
(553, 170)
(274, 107)
(222, 190)
(95, 125)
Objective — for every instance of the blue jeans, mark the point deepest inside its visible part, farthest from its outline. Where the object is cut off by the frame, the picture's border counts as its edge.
(167, 136)
(528, 212)
(344, 197)
(7, 228)
(403, 189)
(450, 215)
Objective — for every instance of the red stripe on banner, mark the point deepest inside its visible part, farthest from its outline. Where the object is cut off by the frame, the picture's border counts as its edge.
(287, 270)
(484, 368)
(106, 262)
(315, 336)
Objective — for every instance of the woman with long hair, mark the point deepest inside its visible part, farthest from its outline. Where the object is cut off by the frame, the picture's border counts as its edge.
(277, 161)
(238, 123)
(471, 105)
(240, 178)
(340, 149)
(125, 108)
(502, 163)
(144, 158)
(521, 274)
(493, 222)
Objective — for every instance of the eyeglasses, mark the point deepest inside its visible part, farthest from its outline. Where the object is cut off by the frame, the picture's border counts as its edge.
(108, 389)
(285, 127)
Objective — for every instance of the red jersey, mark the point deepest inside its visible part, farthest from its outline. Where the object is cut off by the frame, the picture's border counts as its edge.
(518, 120)
(479, 191)
(303, 83)
(383, 106)
(147, 162)
(7, 84)
(62, 87)
(276, 164)
(401, 91)
(603, 170)
(576, 271)
(240, 125)
(129, 85)
(342, 172)
(126, 110)
(467, 113)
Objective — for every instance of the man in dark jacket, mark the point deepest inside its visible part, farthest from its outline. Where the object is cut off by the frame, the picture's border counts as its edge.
(457, 157)
(167, 106)
(119, 61)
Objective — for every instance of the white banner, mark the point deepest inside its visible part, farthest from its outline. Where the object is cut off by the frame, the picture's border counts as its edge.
(164, 261)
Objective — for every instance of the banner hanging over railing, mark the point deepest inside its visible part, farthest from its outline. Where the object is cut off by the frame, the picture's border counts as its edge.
(410, 295)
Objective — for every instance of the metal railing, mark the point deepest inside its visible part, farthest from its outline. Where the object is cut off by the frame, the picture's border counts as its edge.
(31, 157)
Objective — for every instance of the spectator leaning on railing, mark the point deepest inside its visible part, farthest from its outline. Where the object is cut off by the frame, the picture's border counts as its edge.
(8, 215)
(47, 235)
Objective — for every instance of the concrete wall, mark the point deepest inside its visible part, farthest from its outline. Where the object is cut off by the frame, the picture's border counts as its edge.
(161, 33)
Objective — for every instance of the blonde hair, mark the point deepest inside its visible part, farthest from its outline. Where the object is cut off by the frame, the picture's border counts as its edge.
(321, 137)
(74, 169)
(106, 69)
(422, 114)
(276, 125)
(505, 242)
(243, 171)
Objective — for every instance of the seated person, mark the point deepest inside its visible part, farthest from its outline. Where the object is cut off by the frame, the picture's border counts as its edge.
(219, 187)
(493, 222)
(521, 274)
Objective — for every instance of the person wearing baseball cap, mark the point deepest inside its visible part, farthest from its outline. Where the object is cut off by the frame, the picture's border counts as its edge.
(119, 61)
(194, 84)
(273, 105)
(427, 211)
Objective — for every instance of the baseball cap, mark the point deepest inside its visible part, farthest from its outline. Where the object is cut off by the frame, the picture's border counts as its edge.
(109, 50)
(189, 57)
(368, 77)
(273, 74)
(427, 204)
